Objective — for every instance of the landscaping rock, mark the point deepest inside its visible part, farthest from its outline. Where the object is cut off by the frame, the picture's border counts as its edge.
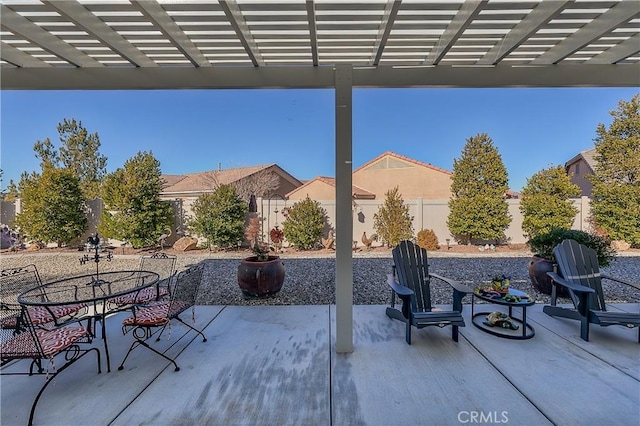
(185, 244)
(620, 245)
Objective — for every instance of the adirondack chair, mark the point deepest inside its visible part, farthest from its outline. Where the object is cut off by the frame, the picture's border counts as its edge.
(411, 282)
(579, 273)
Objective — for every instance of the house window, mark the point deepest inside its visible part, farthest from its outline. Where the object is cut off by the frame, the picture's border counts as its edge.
(578, 168)
(390, 163)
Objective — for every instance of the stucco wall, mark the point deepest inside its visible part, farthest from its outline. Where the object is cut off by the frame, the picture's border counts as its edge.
(427, 214)
(285, 186)
(412, 181)
(432, 214)
(317, 190)
(8, 210)
(578, 173)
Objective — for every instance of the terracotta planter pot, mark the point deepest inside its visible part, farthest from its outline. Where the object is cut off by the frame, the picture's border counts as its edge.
(538, 268)
(258, 279)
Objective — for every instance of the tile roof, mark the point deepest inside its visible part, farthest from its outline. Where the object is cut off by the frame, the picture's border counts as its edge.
(205, 181)
(356, 191)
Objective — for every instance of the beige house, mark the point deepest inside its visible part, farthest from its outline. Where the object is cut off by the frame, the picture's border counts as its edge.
(262, 181)
(579, 167)
(414, 179)
(324, 188)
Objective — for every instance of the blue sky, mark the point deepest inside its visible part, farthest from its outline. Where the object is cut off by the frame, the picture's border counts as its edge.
(194, 130)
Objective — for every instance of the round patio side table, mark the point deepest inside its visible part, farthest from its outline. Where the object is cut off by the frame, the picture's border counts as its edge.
(526, 331)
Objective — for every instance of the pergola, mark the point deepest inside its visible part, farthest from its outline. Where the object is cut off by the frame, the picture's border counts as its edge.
(210, 44)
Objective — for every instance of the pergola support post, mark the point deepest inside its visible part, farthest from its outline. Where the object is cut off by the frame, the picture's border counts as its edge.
(344, 219)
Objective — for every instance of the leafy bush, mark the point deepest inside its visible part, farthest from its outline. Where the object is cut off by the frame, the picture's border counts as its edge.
(52, 206)
(305, 223)
(615, 199)
(428, 240)
(219, 217)
(545, 203)
(392, 222)
(543, 244)
(133, 211)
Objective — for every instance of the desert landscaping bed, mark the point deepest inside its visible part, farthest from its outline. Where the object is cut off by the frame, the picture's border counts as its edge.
(310, 276)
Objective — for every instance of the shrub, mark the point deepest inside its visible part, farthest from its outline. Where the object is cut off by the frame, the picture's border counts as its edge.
(543, 244)
(393, 222)
(52, 207)
(219, 217)
(546, 204)
(133, 211)
(615, 199)
(428, 240)
(305, 223)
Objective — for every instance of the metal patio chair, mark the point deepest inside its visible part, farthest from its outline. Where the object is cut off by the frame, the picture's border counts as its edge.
(165, 266)
(14, 281)
(41, 342)
(155, 317)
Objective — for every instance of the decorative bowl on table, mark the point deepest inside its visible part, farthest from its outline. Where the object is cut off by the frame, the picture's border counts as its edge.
(488, 291)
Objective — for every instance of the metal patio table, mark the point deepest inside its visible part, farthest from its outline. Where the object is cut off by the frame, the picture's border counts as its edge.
(525, 301)
(95, 290)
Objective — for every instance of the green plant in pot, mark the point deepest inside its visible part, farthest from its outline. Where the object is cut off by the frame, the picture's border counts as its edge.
(543, 261)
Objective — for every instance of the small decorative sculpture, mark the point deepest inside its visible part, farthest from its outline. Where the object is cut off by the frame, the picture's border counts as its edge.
(327, 243)
(94, 243)
(368, 241)
(500, 319)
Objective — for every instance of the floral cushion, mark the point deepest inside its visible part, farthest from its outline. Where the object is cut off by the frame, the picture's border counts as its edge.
(142, 296)
(52, 342)
(149, 316)
(40, 315)
(156, 314)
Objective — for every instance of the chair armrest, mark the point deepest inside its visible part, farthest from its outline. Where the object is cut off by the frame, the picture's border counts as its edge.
(400, 290)
(570, 285)
(457, 285)
(630, 284)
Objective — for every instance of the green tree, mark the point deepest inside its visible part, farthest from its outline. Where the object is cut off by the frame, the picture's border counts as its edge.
(545, 202)
(52, 206)
(478, 208)
(133, 211)
(79, 151)
(220, 217)
(11, 192)
(305, 223)
(392, 222)
(615, 199)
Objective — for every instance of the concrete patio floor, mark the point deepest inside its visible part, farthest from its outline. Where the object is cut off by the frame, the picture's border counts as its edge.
(276, 365)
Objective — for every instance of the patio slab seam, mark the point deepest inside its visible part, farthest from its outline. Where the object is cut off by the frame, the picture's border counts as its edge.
(506, 377)
(152, 381)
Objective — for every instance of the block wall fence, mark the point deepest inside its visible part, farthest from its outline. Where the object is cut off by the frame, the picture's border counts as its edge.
(427, 214)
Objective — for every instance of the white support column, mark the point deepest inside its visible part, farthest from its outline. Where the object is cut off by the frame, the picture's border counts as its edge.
(344, 219)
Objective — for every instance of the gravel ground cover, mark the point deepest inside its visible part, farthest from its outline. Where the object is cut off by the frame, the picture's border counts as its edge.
(310, 279)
